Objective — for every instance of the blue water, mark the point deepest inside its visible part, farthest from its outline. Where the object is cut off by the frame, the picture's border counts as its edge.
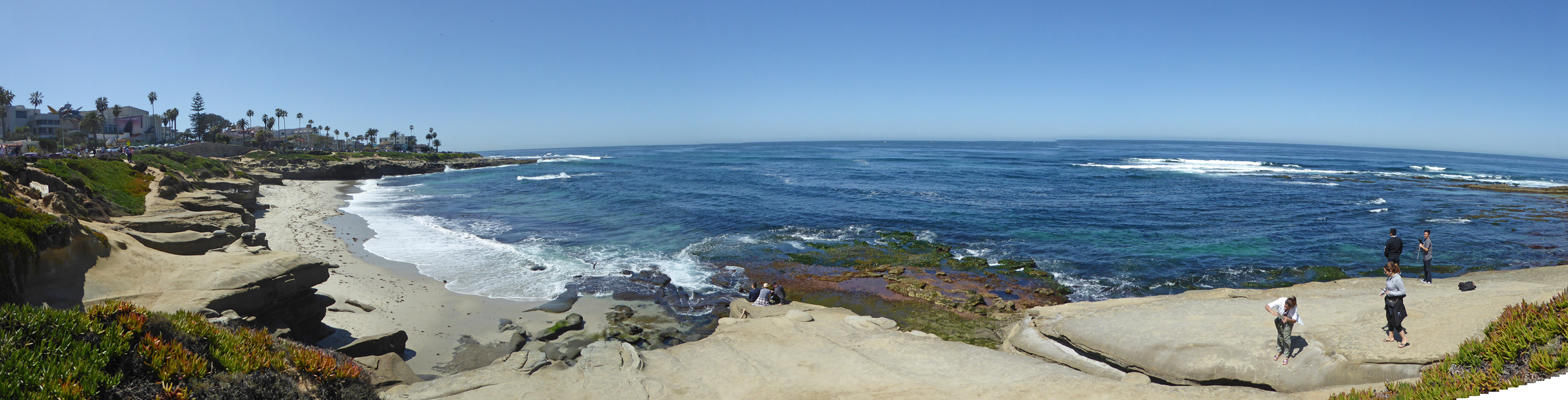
(1110, 218)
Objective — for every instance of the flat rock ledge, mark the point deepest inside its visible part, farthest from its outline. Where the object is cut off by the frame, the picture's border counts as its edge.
(1225, 337)
(836, 354)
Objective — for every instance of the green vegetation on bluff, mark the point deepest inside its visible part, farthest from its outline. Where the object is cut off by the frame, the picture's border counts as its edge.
(114, 180)
(1527, 342)
(193, 167)
(119, 350)
(21, 227)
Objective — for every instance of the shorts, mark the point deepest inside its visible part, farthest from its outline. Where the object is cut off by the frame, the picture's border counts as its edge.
(1394, 259)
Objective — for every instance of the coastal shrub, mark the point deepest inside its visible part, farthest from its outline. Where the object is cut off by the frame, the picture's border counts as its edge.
(117, 350)
(186, 164)
(48, 353)
(21, 226)
(113, 180)
(1527, 342)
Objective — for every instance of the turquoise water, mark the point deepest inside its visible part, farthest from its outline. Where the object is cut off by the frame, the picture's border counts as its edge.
(1111, 218)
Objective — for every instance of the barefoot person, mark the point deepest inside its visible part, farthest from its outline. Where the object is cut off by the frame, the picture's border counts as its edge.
(1426, 256)
(1394, 305)
(1284, 311)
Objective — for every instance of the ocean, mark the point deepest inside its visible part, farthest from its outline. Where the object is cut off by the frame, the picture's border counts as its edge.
(1108, 218)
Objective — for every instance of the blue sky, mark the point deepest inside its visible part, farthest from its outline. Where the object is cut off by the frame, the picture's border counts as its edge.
(1487, 77)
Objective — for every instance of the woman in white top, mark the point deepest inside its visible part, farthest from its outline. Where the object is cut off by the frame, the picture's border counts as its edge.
(1285, 317)
(1394, 305)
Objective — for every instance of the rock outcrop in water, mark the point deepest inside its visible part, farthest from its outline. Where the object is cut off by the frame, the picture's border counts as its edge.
(362, 168)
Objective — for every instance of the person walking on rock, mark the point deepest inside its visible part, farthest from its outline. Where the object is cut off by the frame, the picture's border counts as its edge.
(1426, 256)
(1393, 247)
(1285, 317)
(1394, 305)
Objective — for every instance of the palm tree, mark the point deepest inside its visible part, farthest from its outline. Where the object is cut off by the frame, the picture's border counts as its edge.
(103, 104)
(437, 144)
(92, 122)
(250, 114)
(116, 111)
(169, 117)
(297, 116)
(281, 114)
(370, 137)
(38, 98)
(152, 101)
(5, 104)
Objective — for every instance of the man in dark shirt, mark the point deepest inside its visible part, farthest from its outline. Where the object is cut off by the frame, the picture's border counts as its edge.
(755, 291)
(1394, 247)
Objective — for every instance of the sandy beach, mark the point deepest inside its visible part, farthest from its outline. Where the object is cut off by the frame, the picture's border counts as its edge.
(305, 217)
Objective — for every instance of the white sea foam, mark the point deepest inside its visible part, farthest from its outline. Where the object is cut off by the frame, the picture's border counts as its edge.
(1216, 167)
(475, 265)
(1448, 221)
(568, 158)
(1254, 168)
(1375, 201)
(1377, 210)
(562, 175)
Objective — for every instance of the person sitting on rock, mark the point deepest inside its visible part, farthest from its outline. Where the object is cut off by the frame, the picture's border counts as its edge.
(1285, 317)
(762, 298)
(778, 294)
(751, 297)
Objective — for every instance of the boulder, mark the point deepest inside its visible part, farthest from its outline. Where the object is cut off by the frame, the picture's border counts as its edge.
(186, 243)
(526, 361)
(572, 322)
(388, 370)
(391, 342)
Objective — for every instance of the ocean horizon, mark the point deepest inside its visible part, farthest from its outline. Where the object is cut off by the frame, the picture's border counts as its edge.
(1108, 218)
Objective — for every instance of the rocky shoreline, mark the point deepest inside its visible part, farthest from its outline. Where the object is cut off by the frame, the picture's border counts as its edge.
(273, 171)
(205, 245)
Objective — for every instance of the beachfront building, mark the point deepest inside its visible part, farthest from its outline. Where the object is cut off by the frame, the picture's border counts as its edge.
(42, 125)
(133, 125)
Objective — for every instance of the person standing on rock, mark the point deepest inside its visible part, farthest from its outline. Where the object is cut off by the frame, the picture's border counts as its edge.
(1393, 248)
(1285, 317)
(1394, 305)
(762, 297)
(1426, 256)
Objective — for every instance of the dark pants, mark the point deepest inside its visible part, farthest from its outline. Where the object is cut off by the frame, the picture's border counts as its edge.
(1394, 309)
(1284, 335)
(1426, 269)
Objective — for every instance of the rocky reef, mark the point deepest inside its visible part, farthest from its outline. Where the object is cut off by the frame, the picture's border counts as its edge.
(327, 166)
(918, 282)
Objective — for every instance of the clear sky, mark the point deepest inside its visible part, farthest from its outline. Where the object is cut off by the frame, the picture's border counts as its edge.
(1487, 77)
